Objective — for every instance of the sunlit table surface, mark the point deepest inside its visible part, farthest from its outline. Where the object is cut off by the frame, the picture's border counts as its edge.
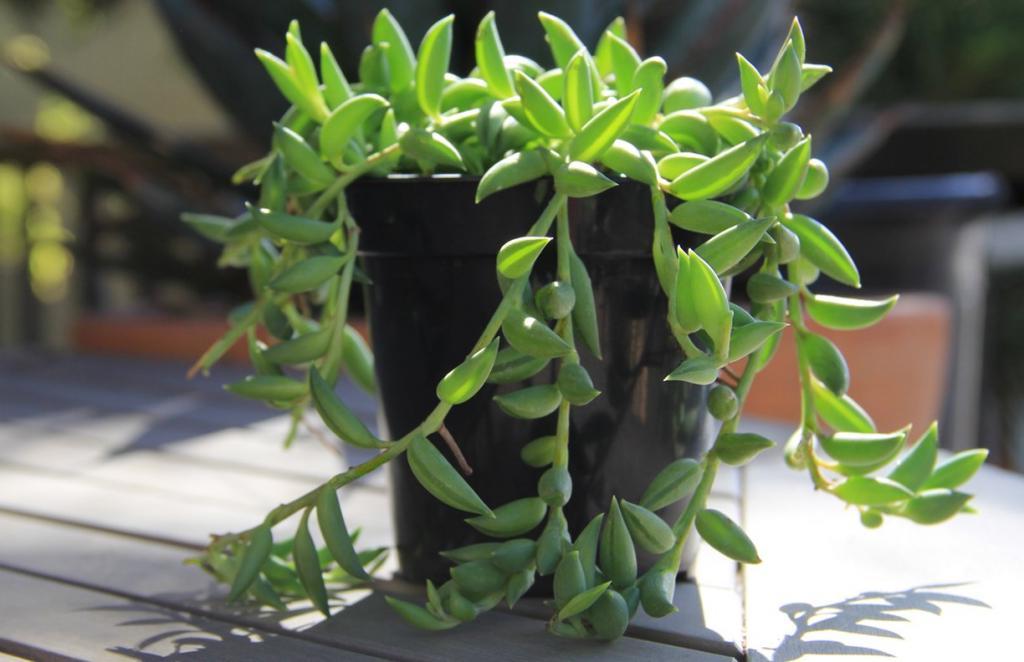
(113, 470)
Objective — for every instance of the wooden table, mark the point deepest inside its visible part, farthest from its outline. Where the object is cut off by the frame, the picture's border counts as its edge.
(113, 471)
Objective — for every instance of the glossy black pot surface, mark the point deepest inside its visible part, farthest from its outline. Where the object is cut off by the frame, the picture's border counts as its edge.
(429, 251)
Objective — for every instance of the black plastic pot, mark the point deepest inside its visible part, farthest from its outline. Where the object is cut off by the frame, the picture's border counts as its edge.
(429, 251)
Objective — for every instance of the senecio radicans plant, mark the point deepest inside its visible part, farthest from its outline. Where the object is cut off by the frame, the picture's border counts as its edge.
(596, 118)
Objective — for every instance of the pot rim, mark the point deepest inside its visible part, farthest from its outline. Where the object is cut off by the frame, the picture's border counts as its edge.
(410, 177)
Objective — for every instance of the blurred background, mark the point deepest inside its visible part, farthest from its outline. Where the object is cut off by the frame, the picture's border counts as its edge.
(116, 116)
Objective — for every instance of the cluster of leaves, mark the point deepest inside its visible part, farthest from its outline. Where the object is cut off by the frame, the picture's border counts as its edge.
(593, 120)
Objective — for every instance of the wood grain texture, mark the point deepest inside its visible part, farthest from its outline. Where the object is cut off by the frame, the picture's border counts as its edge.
(149, 572)
(121, 463)
(51, 620)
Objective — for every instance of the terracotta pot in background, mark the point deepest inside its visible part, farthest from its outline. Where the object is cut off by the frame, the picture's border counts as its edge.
(898, 367)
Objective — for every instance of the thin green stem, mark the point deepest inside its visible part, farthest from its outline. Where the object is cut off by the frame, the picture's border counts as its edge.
(807, 417)
(331, 365)
(218, 348)
(699, 499)
(564, 245)
(564, 248)
(430, 424)
(321, 204)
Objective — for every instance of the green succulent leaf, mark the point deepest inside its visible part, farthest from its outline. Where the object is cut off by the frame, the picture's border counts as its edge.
(690, 129)
(541, 110)
(811, 74)
(300, 349)
(701, 370)
(765, 287)
(826, 361)
(601, 130)
(934, 506)
(845, 313)
(516, 257)
(840, 412)
(584, 311)
(609, 615)
(288, 84)
(480, 551)
(478, 579)
(339, 542)
(863, 448)
(400, 58)
(916, 466)
(625, 158)
(430, 146)
(336, 87)
(581, 602)
(532, 337)
(432, 65)
(727, 248)
(726, 536)
(624, 62)
(581, 180)
(269, 388)
(490, 58)
(785, 179)
(512, 519)
(755, 89)
(957, 470)
(719, 173)
(602, 54)
(674, 165)
(586, 544)
(569, 580)
(512, 366)
(578, 95)
(301, 158)
(540, 452)
(675, 482)
(823, 249)
(708, 216)
(868, 491)
(649, 79)
(711, 303)
(419, 617)
(441, 479)
(345, 120)
(616, 553)
(255, 555)
(466, 379)
(307, 274)
(575, 384)
(307, 564)
(738, 448)
(554, 539)
(296, 229)
(516, 168)
(648, 531)
(530, 402)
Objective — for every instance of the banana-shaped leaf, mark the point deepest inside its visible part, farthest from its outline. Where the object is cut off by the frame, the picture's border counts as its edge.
(441, 479)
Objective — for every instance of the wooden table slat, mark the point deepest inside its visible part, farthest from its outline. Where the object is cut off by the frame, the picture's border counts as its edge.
(153, 573)
(51, 619)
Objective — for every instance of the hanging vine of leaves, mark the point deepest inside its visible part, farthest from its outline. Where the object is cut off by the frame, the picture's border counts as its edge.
(734, 165)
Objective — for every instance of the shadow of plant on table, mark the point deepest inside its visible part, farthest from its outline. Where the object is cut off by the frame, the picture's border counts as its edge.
(181, 635)
(857, 616)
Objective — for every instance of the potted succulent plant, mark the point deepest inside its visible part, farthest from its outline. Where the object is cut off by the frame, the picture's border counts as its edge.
(615, 208)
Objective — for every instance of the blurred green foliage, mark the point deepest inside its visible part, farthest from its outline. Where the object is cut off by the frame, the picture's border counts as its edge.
(950, 49)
